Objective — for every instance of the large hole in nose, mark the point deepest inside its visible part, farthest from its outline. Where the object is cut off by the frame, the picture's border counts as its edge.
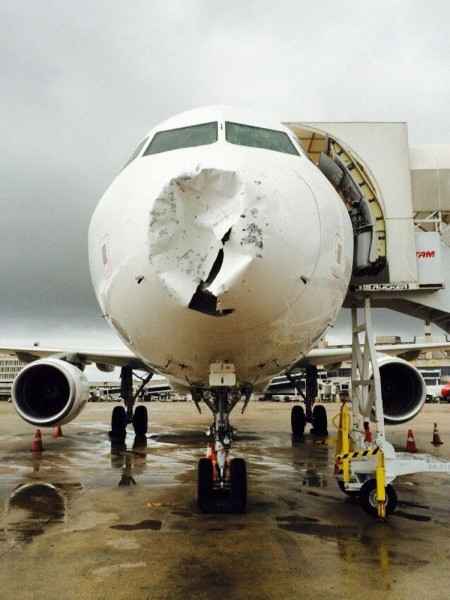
(203, 300)
(214, 270)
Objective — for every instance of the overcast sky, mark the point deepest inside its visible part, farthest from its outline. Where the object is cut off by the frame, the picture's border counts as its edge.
(82, 82)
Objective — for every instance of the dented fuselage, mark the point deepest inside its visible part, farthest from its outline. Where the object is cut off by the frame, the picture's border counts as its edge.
(220, 242)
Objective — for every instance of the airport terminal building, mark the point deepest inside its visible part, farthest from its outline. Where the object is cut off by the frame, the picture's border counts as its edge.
(10, 367)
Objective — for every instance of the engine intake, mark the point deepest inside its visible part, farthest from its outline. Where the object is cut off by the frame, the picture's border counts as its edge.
(50, 392)
(403, 390)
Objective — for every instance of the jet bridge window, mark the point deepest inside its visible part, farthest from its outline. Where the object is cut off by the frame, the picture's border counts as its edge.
(184, 137)
(257, 137)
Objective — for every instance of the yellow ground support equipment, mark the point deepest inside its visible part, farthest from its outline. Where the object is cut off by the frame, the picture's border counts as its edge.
(363, 467)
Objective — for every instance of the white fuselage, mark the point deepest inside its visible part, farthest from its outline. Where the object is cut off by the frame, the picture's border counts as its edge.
(220, 253)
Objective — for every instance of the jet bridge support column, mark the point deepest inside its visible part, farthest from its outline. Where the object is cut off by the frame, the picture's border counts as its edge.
(366, 382)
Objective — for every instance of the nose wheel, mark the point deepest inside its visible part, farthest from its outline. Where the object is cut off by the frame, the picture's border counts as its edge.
(205, 484)
(216, 494)
(238, 485)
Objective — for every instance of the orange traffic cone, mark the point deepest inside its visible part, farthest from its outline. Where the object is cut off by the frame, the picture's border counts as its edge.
(436, 438)
(36, 446)
(57, 431)
(410, 443)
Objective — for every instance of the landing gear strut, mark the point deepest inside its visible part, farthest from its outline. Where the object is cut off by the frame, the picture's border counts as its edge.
(122, 415)
(222, 481)
(317, 415)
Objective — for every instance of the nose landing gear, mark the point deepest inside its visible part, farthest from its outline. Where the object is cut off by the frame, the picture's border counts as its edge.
(222, 480)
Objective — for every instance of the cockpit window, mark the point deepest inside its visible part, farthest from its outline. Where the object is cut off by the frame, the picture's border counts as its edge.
(136, 152)
(257, 137)
(184, 137)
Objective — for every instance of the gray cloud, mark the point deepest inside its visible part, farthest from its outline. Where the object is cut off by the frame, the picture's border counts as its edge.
(82, 82)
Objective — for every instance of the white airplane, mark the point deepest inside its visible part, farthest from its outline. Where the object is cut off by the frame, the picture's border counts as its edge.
(220, 254)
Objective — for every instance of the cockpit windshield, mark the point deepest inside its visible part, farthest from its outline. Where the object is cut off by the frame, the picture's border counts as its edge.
(258, 137)
(136, 152)
(184, 137)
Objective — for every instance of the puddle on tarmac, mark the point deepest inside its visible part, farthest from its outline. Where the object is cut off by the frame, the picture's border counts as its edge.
(354, 544)
(150, 524)
(148, 465)
(311, 526)
(32, 507)
(312, 479)
(181, 439)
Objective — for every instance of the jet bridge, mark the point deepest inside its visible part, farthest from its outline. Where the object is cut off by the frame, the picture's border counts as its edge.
(398, 198)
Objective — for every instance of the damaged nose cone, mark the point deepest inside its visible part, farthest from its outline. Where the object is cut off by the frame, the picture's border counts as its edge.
(192, 245)
(204, 300)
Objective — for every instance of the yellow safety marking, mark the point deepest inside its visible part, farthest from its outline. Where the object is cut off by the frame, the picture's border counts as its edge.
(343, 460)
(358, 454)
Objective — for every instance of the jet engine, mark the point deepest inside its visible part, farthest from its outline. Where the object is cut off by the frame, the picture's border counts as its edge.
(50, 392)
(403, 390)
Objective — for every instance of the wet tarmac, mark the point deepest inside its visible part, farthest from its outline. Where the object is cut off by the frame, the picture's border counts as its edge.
(87, 519)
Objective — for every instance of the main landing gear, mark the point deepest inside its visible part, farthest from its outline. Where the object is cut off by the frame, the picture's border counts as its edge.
(122, 415)
(300, 416)
(222, 480)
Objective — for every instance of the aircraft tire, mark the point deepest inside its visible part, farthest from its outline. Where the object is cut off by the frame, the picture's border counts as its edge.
(238, 485)
(204, 484)
(298, 420)
(320, 420)
(140, 421)
(368, 498)
(118, 423)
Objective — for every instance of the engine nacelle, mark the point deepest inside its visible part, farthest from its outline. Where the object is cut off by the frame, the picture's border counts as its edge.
(403, 390)
(104, 368)
(50, 392)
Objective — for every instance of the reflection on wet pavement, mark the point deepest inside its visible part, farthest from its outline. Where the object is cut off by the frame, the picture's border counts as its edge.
(131, 510)
(131, 462)
(34, 506)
